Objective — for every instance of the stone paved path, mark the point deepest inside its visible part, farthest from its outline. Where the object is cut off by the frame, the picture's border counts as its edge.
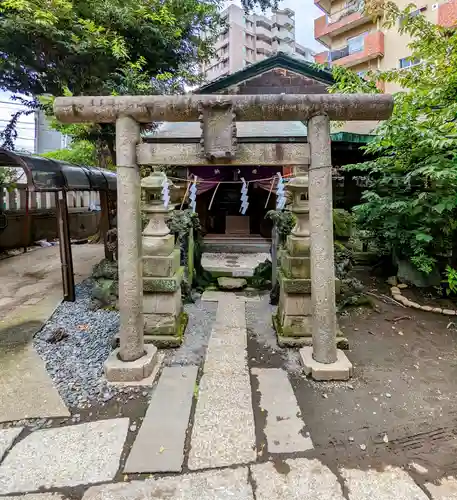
(211, 445)
(223, 432)
(30, 291)
(28, 278)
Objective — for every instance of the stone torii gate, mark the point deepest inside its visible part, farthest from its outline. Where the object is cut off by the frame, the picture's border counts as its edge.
(308, 281)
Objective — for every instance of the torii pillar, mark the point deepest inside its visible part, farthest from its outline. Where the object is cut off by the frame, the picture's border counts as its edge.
(323, 361)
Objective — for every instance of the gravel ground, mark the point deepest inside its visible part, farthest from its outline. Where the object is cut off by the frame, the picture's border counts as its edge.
(259, 325)
(192, 352)
(76, 362)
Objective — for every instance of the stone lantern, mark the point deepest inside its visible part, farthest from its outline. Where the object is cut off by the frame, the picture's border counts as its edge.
(293, 321)
(156, 235)
(162, 275)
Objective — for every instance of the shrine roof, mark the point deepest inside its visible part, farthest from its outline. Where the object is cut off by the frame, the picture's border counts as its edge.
(277, 61)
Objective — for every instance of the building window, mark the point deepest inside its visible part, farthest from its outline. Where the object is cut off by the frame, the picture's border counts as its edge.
(407, 62)
(249, 24)
(250, 39)
(356, 43)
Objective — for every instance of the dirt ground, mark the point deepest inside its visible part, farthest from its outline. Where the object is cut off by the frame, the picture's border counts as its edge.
(399, 407)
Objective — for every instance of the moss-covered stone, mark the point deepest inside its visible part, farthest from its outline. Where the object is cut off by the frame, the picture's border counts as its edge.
(298, 247)
(295, 267)
(170, 284)
(161, 265)
(298, 285)
(170, 340)
(294, 285)
(287, 339)
(106, 269)
(105, 291)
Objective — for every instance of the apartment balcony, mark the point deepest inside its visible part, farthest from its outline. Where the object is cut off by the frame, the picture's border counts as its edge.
(324, 5)
(447, 14)
(263, 32)
(366, 48)
(283, 35)
(263, 47)
(326, 27)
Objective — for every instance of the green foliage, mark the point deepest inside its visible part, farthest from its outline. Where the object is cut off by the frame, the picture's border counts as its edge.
(410, 206)
(103, 47)
(88, 46)
(180, 223)
(7, 176)
(342, 224)
(284, 221)
(79, 152)
(261, 278)
(451, 275)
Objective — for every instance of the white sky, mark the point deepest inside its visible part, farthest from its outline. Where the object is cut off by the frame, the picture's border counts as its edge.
(305, 13)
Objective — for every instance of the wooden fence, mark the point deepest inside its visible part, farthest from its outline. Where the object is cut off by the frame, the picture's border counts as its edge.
(15, 199)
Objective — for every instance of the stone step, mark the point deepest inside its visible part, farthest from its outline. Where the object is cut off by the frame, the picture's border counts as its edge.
(236, 244)
(159, 445)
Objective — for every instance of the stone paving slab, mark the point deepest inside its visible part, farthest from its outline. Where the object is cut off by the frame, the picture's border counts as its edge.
(230, 313)
(159, 445)
(445, 490)
(223, 433)
(284, 427)
(7, 437)
(23, 375)
(301, 479)
(391, 484)
(228, 484)
(64, 457)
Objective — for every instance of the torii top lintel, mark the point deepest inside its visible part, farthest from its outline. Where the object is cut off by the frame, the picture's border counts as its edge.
(147, 109)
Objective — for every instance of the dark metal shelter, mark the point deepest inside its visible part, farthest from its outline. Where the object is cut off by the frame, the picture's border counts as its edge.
(47, 175)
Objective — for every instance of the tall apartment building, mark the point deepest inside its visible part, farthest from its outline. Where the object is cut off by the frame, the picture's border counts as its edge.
(358, 42)
(250, 38)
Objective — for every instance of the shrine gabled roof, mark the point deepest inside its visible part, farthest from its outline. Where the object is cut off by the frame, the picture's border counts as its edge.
(279, 60)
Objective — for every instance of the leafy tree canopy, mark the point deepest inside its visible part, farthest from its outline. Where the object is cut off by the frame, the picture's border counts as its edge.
(103, 47)
(410, 206)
